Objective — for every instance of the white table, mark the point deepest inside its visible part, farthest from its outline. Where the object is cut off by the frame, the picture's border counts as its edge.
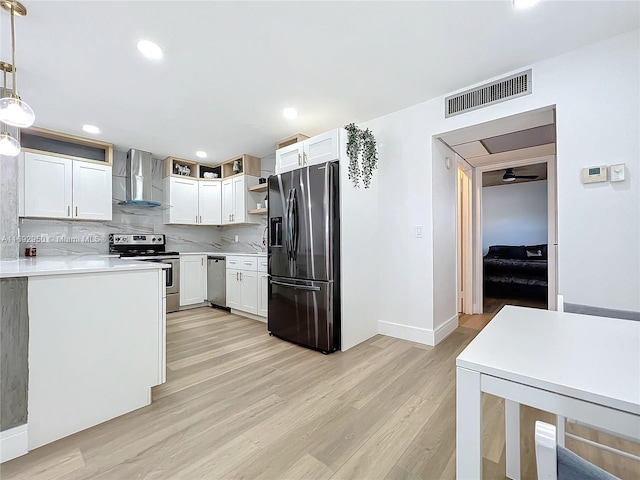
(577, 366)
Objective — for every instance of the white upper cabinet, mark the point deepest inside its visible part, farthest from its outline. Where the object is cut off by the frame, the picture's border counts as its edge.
(192, 201)
(239, 199)
(326, 147)
(91, 191)
(181, 194)
(289, 158)
(58, 187)
(236, 198)
(227, 201)
(209, 201)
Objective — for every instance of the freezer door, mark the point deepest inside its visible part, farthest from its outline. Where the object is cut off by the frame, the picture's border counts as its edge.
(303, 223)
(304, 312)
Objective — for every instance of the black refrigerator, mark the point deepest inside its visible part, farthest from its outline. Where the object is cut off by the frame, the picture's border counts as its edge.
(304, 257)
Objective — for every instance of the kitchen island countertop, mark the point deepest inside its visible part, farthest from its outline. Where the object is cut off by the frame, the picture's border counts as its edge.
(69, 264)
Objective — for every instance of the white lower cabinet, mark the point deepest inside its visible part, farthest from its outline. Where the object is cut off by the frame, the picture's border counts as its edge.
(193, 279)
(263, 294)
(244, 284)
(249, 291)
(263, 287)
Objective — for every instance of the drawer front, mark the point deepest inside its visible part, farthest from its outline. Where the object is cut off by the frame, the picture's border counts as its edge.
(242, 263)
(263, 264)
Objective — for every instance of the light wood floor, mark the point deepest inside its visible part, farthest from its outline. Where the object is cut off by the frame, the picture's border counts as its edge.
(239, 404)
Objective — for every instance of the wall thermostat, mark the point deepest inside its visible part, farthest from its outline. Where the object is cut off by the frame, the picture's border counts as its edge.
(595, 174)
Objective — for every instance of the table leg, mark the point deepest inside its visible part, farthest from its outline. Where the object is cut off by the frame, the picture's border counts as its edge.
(512, 434)
(560, 423)
(468, 425)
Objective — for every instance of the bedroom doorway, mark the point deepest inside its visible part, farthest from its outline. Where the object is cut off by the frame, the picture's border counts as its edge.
(514, 236)
(505, 145)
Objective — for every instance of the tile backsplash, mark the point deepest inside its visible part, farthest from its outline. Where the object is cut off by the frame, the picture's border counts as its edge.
(72, 237)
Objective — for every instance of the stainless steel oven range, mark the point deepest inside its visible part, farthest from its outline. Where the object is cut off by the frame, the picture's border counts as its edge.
(151, 248)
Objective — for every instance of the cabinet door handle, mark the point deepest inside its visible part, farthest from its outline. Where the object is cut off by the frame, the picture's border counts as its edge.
(202, 261)
(68, 210)
(299, 160)
(304, 158)
(237, 276)
(76, 210)
(240, 276)
(200, 218)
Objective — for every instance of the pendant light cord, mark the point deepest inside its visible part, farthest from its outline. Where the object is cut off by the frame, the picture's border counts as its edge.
(4, 92)
(13, 48)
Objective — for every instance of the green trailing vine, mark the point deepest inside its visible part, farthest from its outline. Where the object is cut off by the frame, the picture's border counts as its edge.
(361, 144)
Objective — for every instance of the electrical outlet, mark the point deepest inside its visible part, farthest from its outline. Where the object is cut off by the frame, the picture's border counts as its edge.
(417, 231)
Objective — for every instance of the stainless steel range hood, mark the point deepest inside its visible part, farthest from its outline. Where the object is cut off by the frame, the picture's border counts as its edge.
(139, 186)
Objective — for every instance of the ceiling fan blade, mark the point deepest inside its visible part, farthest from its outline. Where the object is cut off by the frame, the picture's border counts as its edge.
(526, 176)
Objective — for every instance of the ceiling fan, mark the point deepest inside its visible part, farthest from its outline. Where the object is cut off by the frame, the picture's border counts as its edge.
(510, 176)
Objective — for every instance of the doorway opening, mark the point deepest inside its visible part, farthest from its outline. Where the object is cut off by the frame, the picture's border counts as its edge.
(514, 237)
(500, 151)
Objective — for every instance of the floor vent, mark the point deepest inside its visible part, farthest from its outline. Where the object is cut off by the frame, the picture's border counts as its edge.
(495, 92)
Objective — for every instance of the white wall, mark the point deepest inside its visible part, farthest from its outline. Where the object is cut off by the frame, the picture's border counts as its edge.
(360, 258)
(596, 92)
(445, 211)
(514, 214)
(404, 263)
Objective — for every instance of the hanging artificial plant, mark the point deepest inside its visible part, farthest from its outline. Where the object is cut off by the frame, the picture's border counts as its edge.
(361, 144)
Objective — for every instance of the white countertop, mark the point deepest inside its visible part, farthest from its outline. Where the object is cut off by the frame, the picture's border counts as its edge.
(227, 254)
(63, 265)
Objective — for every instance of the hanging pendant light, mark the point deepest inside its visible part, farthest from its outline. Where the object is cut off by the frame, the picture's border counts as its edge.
(14, 111)
(9, 146)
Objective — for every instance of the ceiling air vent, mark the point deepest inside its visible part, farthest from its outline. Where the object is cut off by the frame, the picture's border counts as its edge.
(495, 92)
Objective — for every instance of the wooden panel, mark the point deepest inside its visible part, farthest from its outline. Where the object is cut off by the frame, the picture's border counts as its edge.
(291, 140)
(250, 165)
(14, 343)
(169, 164)
(71, 140)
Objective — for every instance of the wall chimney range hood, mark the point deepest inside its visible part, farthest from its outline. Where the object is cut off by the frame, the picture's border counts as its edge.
(139, 186)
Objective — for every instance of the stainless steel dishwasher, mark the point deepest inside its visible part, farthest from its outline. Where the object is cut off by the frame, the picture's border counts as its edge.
(216, 280)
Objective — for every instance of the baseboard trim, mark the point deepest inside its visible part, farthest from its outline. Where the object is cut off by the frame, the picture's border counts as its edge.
(601, 312)
(406, 332)
(249, 315)
(444, 330)
(14, 443)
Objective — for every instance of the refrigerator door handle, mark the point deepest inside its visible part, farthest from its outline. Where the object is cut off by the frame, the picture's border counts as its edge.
(294, 225)
(297, 287)
(288, 230)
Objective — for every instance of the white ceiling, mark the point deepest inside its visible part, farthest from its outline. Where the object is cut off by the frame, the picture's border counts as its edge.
(231, 67)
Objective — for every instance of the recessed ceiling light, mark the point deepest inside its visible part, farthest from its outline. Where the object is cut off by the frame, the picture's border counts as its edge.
(524, 3)
(90, 129)
(290, 113)
(201, 154)
(149, 49)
